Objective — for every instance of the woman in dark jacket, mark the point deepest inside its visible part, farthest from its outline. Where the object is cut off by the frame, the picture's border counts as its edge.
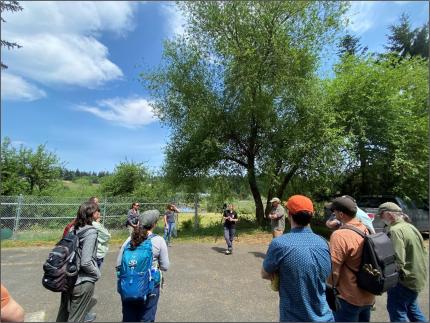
(76, 303)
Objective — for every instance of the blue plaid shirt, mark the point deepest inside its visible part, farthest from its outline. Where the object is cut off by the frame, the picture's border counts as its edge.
(303, 261)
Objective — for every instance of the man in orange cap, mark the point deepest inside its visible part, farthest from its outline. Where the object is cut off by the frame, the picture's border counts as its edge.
(302, 260)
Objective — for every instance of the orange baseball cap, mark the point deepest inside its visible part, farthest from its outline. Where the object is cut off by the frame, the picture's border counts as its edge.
(297, 203)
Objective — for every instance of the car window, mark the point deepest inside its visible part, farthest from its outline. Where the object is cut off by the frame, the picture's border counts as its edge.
(374, 202)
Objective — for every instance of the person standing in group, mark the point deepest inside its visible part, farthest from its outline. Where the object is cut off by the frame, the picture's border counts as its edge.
(277, 217)
(346, 247)
(302, 260)
(133, 217)
(170, 222)
(230, 219)
(145, 310)
(75, 304)
(103, 237)
(412, 259)
(69, 226)
(333, 223)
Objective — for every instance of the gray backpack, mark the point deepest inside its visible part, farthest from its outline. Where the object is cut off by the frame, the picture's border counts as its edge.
(378, 270)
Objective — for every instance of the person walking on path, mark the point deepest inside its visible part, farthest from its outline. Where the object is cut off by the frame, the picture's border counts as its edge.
(346, 247)
(170, 222)
(302, 260)
(145, 311)
(230, 219)
(133, 217)
(75, 304)
(412, 259)
(277, 217)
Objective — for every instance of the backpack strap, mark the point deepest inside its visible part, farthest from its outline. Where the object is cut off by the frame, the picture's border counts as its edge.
(358, 231)
(351, 227)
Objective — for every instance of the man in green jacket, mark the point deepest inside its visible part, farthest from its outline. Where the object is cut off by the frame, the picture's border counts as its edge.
(412, 259)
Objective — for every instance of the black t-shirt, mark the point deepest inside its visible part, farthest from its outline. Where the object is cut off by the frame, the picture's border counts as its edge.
(231, 214)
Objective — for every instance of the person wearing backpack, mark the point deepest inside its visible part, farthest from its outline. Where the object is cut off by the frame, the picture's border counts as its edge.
(75, 303)
(346, 248)
(412, 259)
(139, 262)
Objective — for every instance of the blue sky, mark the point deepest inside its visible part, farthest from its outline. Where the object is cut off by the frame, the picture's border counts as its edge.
(74, 86)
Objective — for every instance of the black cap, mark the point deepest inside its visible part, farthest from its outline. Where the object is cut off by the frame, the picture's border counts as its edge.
(344, 204)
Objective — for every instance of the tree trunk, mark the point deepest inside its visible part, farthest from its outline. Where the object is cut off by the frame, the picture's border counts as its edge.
(281, 189)
(363, 168)
(259, 211)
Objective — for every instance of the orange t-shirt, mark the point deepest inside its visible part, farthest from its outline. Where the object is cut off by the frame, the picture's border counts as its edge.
(346, 247)
(4, 296)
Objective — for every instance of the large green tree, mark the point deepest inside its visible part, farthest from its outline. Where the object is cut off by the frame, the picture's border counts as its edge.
(240, 94)
(382, 108)
(26, 171)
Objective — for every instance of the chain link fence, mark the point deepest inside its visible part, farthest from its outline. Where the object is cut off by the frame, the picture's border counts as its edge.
(25, 216)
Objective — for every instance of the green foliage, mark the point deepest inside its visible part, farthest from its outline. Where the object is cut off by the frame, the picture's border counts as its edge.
(404, 41)
(125, 180)
(240, 94)
(27, 171)
(382, 109)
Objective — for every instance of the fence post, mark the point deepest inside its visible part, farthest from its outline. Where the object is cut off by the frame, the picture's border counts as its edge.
(196, 212)
(17, 215)
(104, 211)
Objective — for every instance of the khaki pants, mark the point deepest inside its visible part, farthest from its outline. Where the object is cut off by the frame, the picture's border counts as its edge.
(75, 305)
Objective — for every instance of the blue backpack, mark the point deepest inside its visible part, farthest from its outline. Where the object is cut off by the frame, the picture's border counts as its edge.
(137, 279)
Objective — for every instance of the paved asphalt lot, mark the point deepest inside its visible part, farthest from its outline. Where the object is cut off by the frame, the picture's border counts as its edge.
(202, 285)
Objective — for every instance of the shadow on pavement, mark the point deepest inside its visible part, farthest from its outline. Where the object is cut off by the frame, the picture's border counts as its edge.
(258, 254)
(218, 249)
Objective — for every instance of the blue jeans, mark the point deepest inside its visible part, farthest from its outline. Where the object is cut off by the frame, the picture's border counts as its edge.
(351, 313)
(229, 233)
(171, 227)
(402, 305)
(141, 311)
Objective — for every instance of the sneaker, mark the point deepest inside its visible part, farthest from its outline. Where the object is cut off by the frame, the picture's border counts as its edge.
(90, 317)
(228, 252)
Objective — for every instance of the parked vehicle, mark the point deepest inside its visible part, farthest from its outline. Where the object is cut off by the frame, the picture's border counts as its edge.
(418, 212)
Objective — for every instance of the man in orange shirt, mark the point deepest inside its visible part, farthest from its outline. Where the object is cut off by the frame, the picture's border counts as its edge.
(346, 247)
(11, 311)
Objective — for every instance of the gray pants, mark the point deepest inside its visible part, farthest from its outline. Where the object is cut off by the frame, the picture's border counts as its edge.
(75, 305)
(229, 236)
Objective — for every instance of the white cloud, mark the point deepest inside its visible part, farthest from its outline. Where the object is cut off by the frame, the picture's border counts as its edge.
(361, 15)
(127, 112)
(15, 88)
(59, 40)
(175, 19)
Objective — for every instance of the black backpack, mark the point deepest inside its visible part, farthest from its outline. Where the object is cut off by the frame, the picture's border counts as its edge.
(378, 270)
(62, 266)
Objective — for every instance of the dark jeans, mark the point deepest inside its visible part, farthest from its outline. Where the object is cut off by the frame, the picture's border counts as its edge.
(351, 313)
(75, 305)
(141, 311)
(402, 305)
(229, 233)
(100, 262)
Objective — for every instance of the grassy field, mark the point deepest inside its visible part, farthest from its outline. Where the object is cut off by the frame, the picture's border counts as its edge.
(209, 229)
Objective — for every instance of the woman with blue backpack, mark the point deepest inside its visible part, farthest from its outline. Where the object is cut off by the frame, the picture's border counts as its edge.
(139, 264)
